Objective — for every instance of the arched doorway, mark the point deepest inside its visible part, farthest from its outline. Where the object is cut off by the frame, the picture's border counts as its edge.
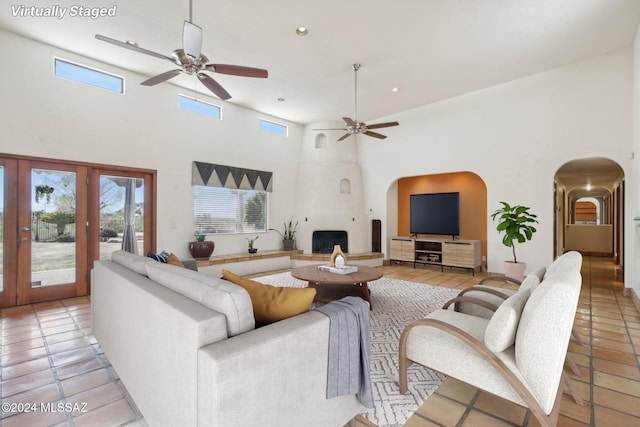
(589, 207)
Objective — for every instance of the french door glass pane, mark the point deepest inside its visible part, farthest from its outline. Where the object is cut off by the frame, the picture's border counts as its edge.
(121, 215)
(1, 229)
(53, 227)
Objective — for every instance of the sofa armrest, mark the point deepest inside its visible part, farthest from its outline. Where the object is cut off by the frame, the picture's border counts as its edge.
(272, 376)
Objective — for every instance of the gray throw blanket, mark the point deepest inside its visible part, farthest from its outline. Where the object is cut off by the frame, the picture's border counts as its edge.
(349, 349)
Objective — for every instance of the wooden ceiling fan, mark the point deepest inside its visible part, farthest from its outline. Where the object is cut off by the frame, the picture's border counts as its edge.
(353, 126)
(191, 60)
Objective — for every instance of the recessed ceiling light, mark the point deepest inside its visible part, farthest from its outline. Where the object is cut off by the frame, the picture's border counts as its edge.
(302, 31)
(395, 90)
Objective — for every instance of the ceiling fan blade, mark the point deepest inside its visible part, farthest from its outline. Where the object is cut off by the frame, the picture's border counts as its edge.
(238, 70)
(191, 39)
(214, 86)
(375, 135)
(349, 121)
(345, 136)
(133, 47)
(383, 125)
(161, 78)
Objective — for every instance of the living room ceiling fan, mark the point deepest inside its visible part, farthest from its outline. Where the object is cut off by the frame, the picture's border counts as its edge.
(353, 126)
(191, 60)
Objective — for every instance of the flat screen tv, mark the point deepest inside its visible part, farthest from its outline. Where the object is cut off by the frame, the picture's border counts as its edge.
(437, 213)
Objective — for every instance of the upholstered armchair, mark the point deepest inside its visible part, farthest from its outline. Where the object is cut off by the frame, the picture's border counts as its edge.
(514, 354)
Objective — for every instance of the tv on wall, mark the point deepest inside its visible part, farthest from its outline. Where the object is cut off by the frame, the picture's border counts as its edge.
(436, 213)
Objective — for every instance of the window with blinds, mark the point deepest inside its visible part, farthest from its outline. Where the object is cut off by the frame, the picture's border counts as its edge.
(230, 211)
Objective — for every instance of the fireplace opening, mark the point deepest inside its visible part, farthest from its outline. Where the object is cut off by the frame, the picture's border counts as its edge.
(323, 241)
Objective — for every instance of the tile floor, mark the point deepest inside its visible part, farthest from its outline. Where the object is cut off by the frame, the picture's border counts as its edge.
(50, 357)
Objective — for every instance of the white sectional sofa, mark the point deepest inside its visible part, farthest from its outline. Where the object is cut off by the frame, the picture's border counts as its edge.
(187, 364)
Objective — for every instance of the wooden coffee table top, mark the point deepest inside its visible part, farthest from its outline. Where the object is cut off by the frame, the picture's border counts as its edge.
(311, 274)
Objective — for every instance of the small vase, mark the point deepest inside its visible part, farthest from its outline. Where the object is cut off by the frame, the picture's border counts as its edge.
(288, 244)
(201, 250)
(253, 250)
(337, 251)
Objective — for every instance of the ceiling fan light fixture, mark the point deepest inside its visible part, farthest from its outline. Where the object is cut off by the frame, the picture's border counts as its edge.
(302, 31)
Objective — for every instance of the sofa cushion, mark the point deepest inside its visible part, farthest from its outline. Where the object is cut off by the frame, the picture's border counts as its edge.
(272, 303)
(501, 329)
(131, 261)
(222, 296)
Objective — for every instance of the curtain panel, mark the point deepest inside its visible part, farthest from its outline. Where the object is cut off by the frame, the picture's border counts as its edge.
(213, 175)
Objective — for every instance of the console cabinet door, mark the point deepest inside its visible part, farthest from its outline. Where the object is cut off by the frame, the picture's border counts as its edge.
(402, 250)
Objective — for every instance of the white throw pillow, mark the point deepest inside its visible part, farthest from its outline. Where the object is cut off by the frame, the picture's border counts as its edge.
(501, 330)
(530, 282)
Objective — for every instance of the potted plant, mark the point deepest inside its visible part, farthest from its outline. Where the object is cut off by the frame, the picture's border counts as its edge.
(201, 248)
(252, 250)
(516, 224)
(288, 235)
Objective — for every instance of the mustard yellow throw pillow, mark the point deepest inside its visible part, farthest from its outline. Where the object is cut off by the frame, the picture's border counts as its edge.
(174, 260)
(273, 303)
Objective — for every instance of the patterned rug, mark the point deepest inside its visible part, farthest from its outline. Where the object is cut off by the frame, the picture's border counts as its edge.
(396, 303)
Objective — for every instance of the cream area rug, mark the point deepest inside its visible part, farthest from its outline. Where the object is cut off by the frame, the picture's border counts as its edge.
(396, 303)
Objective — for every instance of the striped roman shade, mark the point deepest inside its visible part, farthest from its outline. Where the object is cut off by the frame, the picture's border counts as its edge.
(213, 175)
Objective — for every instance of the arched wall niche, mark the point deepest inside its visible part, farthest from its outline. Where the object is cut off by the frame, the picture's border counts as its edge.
(321, 141)
(473, 202)
(345, 186)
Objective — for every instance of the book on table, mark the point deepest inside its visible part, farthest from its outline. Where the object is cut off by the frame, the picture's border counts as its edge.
(347, 269)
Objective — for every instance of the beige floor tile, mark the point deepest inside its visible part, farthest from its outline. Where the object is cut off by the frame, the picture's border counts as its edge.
(615, 400)
(606, 417)
(481, 419)
(441, 410)
(614, 382)
(499, 408)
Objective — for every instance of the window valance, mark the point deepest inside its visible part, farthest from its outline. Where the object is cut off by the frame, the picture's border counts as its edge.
(213, 175)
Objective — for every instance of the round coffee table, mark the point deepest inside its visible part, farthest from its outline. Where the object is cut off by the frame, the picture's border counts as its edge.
(333, 286)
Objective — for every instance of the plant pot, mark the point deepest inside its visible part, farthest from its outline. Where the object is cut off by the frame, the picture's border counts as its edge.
(201, 250)
(288, 244)
(253, 250)
(514, 270)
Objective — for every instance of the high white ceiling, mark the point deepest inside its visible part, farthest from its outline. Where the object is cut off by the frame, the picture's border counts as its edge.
(430, 49)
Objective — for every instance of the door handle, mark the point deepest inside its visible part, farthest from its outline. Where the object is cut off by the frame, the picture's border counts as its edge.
(25, 229)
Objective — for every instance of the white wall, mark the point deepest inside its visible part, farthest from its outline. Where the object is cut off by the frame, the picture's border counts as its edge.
(632, 231)
(49, 117)
(514, 136)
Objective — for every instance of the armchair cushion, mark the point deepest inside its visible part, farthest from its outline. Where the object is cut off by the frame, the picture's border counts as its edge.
(501, 329)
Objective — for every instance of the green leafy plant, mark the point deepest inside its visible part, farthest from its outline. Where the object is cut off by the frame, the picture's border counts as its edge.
(515, 222)
(43, 191)
(289, 231)
(60, 219)
(251, 241)
(199, 236)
